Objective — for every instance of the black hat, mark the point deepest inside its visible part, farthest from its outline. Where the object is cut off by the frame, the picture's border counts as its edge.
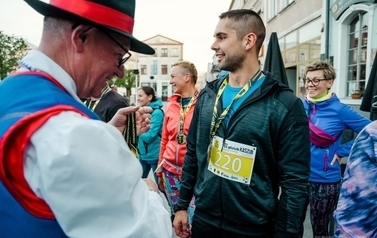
(115, 15)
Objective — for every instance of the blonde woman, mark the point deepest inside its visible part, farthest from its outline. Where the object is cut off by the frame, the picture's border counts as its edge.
(178, 115)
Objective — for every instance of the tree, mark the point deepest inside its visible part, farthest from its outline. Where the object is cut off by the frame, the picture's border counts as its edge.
(12, 49)
(128, 81)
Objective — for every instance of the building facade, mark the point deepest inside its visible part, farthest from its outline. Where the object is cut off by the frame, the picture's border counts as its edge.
(351, 44)
(154, 70)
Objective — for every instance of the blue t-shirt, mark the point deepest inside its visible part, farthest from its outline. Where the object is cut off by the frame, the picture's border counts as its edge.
(230, 92)
(185, 102)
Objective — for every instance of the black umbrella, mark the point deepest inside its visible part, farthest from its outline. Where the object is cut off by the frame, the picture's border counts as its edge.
(369, 101)
(273, 62)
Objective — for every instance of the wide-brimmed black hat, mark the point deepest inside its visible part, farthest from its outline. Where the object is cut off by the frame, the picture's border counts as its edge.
(115, 15)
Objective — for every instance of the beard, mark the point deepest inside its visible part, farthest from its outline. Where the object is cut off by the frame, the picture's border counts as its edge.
(232, 63)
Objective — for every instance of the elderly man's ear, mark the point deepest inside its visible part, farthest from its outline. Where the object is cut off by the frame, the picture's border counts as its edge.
(79, 37)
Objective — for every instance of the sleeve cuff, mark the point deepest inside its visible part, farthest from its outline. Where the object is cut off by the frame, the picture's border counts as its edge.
(180, 206)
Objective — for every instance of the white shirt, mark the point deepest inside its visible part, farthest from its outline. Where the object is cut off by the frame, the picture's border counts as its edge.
(85, 172)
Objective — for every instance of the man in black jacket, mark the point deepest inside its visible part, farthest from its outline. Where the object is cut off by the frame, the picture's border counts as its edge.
(247, 160)
(108, 104)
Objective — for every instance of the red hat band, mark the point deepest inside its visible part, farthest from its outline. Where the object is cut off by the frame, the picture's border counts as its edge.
(97, 13)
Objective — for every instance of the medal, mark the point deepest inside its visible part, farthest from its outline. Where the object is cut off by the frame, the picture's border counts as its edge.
(181, 138)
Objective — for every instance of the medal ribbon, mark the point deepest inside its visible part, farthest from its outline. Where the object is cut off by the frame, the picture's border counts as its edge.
(129, 132)
(218, 119)
(92, 105)
(183, 112)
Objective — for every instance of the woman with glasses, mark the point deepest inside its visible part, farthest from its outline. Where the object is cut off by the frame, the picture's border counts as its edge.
(328, 118)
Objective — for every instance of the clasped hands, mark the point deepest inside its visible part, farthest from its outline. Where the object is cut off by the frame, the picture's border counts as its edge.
(143, 115)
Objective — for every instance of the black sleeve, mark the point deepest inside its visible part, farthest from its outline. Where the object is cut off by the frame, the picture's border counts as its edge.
(294, 166)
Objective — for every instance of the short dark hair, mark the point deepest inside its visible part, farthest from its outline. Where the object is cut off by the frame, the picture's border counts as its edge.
(245, 21)
(149, 91)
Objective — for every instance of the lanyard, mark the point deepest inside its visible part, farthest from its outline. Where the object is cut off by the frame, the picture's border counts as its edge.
(218, 119)
(93, 104)
(183, 112)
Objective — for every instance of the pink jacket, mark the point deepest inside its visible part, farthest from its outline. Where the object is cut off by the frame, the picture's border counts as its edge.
(172, 154)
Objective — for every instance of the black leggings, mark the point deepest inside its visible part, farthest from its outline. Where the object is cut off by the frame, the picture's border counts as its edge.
(323, 200)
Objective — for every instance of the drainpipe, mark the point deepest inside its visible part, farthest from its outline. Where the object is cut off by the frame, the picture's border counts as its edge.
(327, 30)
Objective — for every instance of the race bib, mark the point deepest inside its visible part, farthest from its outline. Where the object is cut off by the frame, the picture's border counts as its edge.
(231, 160)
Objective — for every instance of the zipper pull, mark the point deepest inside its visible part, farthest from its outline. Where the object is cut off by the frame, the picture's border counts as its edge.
(290, 128)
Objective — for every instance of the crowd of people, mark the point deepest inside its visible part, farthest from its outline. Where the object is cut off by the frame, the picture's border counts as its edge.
(243, 157)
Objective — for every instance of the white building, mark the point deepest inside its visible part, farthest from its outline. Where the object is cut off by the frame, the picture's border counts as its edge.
(154, 70)
(351, 43)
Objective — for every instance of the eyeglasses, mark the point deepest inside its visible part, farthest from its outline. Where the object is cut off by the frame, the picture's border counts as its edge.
(126, 57)
(314, 81)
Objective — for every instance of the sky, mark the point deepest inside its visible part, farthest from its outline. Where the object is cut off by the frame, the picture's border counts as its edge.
(191, 22)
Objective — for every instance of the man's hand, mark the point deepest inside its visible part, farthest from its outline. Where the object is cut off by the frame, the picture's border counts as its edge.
(151, 185)
(180, 223)
(142, 118)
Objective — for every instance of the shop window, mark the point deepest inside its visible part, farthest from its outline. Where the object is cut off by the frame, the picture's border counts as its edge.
(315, 49)
(357, 51)
(291, 40)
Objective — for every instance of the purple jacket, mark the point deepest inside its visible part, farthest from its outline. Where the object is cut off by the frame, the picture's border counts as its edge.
(332, 117)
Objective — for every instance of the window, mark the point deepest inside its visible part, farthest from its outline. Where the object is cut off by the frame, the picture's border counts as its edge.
(164, 91)
(290, 40)
(357, 51)
(154, 67)
(285, 3)
(164, 52)
(155, 52)
(164, 69)
(309, 31)
(272, 8)
(174, 52)
(143, 69)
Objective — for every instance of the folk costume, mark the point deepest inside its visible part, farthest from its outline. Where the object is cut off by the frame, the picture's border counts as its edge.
(63, 172)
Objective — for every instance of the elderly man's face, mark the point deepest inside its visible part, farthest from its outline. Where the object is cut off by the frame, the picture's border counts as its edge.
(103, 57)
